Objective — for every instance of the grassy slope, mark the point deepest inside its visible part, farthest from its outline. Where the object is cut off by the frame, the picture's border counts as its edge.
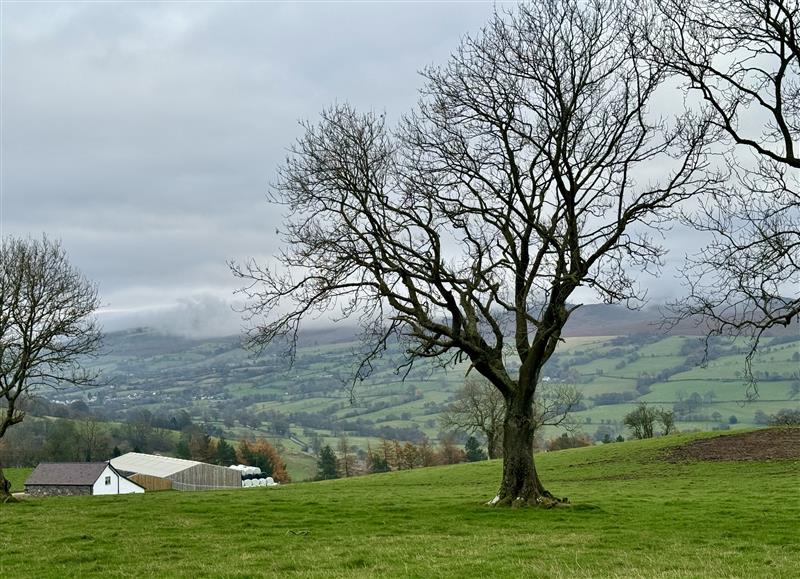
(634, 515)
(17, 478)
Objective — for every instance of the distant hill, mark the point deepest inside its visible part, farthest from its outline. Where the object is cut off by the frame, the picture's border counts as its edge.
(614, 320)
(612, 354)
(588, 320)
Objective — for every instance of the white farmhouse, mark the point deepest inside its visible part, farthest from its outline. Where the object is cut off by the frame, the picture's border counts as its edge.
(78, 478)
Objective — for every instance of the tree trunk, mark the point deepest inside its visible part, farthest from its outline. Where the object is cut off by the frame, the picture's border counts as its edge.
(491, 445)
(521, 485)
(5, 488)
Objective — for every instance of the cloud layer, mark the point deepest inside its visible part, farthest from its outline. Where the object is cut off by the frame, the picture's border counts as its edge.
(145, 135)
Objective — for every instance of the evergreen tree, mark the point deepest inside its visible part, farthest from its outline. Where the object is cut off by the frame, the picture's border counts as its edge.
(326, 464)
(378, 464)
(200, 447)
(473, 450)
(225, 454)
(182, 449)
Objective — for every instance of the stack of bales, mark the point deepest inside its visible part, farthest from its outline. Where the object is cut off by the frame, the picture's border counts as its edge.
(253, 477)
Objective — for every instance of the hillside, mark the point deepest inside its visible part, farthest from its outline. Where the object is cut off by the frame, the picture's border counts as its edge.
(635, 512)
(238, 394)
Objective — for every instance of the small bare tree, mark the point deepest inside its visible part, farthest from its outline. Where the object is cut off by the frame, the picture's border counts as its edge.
(46, 325)
(92, 439)
(524, 174)
(479, 408)
(554, 404)
(641, 420)
(742, 57)
(347, 460)
(667, 420)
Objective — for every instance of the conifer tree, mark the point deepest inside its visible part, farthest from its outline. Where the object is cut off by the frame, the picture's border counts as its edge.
(326, 464)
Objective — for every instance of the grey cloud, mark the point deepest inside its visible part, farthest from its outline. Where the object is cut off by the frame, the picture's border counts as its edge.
(198, 316)
(145, 135)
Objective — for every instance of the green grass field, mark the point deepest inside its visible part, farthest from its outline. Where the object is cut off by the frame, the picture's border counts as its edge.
(633, 514)
(17, 476)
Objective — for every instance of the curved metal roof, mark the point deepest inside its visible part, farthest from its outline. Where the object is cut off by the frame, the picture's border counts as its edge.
(151, 464)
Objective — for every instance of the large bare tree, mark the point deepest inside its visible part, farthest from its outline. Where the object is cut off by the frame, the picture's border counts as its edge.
(742, 58)
(531, 168)
(46, 325)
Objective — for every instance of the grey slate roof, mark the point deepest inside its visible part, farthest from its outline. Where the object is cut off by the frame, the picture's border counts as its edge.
(66, 473)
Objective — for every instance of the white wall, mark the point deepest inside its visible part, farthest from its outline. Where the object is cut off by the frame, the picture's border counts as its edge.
(119, 485)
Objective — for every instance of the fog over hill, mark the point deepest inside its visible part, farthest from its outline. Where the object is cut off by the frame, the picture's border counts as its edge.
(206, 317)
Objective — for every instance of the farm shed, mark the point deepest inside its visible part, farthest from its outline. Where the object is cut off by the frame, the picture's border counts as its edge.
(78, 478)
(183, 475)
(151, 483)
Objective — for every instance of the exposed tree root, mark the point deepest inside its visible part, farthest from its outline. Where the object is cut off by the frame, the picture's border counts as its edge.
(544, 500)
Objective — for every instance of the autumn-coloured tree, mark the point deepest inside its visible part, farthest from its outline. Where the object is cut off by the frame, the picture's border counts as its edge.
(262, 454)
(449, 452)
(386, 450)
(408, 456)
(347, 459)
(425, 453)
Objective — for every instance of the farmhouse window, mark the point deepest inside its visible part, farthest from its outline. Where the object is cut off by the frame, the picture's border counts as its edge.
(108, 480)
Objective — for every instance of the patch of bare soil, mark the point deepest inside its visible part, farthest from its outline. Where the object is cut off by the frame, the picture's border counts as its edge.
(767, 444)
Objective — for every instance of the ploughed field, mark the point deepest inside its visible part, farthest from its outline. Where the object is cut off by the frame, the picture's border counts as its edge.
(677, 506)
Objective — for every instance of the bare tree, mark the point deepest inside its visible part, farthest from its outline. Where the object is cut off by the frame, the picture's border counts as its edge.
(92, 439)
(46, 325)
(479, 408)
(347, 460)
(518, 179)
(554, 404)
(641, 420)
(742, 57)
(667, 420)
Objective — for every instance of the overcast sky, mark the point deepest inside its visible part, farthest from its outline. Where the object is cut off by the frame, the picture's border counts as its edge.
(145, 135)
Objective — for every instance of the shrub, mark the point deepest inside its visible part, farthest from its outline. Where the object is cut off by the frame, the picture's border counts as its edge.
(566, 441)
(785, 417)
